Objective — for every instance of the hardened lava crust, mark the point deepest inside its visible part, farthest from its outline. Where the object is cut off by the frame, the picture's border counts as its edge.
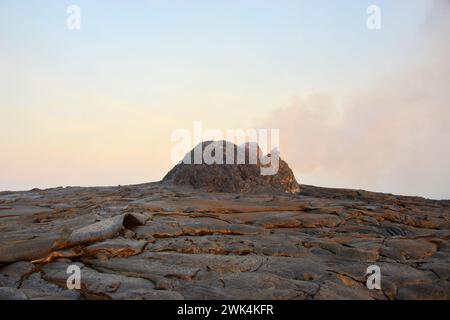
(162, 241)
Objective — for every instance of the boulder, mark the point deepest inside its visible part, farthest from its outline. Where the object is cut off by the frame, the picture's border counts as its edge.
(233, 176)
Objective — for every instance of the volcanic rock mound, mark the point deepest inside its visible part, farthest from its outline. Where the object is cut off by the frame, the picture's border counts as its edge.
(233, 176)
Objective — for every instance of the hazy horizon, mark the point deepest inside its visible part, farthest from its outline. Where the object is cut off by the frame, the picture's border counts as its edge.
(356, 108)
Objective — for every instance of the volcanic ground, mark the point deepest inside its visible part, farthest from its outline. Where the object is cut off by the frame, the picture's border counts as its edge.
(159, 241)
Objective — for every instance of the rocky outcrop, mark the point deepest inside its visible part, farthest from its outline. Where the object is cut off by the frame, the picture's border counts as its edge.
(224, 175)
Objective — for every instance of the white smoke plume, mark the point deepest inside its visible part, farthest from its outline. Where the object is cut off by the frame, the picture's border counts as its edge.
(392, 137)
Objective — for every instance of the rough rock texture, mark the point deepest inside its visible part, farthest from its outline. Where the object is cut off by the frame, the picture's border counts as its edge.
(232, 177)
(156, 241)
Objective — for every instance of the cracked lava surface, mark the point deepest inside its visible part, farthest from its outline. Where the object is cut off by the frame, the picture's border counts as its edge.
(154, 241)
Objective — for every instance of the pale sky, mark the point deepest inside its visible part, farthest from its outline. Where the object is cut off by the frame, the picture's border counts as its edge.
(97, 106)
